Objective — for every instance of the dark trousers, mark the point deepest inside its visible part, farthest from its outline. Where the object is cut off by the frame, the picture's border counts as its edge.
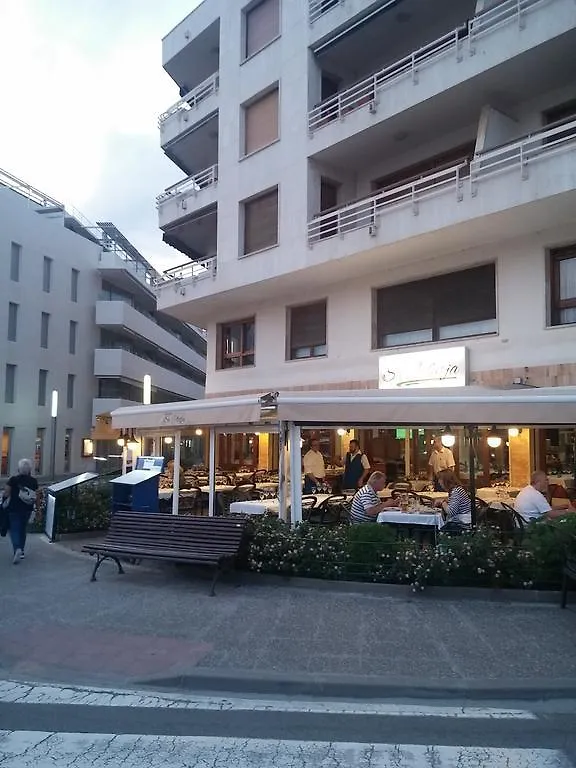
(18, 524)
(309, 486)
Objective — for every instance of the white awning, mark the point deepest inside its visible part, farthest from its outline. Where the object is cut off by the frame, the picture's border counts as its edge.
(421, 407)
(194, 413)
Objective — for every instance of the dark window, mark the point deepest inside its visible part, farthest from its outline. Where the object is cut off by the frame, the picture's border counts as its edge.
(47, 275)
(42, 386)
(449, 306)
(236, 344)
(15, 254)
(261, 222)
(448, 159)
(72, 337)
(563, 285)
(74, 285)
(561, 113)
(10, 384)
(262, 25)
(307, 331)
(70, 390)
(12, 321)
(44, 330)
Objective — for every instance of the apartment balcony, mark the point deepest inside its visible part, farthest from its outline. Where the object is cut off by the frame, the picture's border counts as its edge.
(191, 51)
(507, 49)
(188, 196)
(120, 363)
(103, 406)
(197, 107)
(120, 316)
(327, 16)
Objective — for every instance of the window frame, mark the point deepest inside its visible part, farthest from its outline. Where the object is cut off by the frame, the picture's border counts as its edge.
(72, 337)
(222, 356)
(556, 304)
(290, 356)
(243, 205)
(273, 88)
(10, 397)
(436, 337)
(47, 274)
(74, 281)
(42, 387)
(246, 11)
(15, 261)
(12, 324)
(70, 390)
(47, 316)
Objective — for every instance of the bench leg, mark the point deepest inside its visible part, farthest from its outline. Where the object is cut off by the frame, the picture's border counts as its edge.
(100, 559)
(217, 572)
(564, 591)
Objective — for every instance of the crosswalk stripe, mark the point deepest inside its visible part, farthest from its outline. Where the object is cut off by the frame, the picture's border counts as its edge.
(24, 749)
(12, 692)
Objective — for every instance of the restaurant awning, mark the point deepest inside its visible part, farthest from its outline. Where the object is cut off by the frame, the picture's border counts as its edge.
(456, 406)
(193, 413)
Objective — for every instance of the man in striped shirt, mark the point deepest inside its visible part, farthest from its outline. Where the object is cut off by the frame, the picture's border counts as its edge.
(366, 504)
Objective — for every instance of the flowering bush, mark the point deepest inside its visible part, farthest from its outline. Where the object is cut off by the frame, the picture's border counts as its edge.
(86, 508)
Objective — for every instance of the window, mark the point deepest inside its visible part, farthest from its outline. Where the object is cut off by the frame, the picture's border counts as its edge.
(74, 285)
(15, 255)
(261, 25)
(7, 435)
(47, 275)
(42, 386)
(307, 331)
(563, 285)
(449, 306)
(70, 391)
(67, 449)
(12, 321)
(72, 337)
(261, 222)
(10, 383)
(39, 451)
(236, 344)
(44, 328)
(261, 122)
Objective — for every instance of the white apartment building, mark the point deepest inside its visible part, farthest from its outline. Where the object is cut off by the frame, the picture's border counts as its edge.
(371, 177)
(78, 315)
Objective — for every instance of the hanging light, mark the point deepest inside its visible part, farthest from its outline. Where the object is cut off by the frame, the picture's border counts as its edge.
(122, 438)
(448, 437)
(198, 433)
(514, 432)
(494, 440)
(132, 441)
(341, 432)
(168, 440)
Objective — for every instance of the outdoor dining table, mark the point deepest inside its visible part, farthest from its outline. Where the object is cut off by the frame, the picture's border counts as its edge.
(266, 486)
(219, 488)
(422, 517)
(501, 493)
(261, 506)
(166, 493)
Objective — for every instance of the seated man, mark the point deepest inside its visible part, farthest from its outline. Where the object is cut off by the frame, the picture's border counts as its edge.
(532, 504)
(366, 504)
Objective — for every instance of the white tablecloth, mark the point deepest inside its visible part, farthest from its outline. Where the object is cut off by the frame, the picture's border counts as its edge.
(266, 486)
(165, 493)
(219, 488)
(398, 517)
(497, 494)
(255, 507)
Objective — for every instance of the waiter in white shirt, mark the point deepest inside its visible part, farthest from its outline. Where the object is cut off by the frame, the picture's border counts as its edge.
(441, 458)
(314, 469)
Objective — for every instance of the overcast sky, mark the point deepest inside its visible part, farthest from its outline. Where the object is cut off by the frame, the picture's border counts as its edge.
(81, 88)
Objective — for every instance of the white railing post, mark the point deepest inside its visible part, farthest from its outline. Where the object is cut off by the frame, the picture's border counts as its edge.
(413, 67)
(523, 166)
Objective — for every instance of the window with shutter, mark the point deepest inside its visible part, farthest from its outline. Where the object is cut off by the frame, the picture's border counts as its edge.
(307, 331)
(261, 122)
(262, 25)
(563, 285)
(449, 306)
(236, 344)
(261, 222)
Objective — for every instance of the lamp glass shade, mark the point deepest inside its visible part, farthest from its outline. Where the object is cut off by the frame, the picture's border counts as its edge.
(198, 432)
(513, 432)
(341, 432)
(448, 440)
(168, 440)
(494, 441)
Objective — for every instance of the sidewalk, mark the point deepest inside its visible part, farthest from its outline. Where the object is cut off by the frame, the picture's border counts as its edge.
(158, 626)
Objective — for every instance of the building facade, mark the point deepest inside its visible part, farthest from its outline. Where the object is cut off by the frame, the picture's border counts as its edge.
(78, 315)
(368, 178)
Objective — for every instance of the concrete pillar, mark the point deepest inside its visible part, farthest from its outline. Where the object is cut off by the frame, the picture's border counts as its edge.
(295, 436)
(212, 472)
(520, 453)
(176, 474)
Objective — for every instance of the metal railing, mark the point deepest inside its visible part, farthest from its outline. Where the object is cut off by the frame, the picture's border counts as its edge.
(317, 8)
(366, 92)
(364, 213)
(194, 97)
(191, 185)
(28, 191)
(197, 270)
(523, 152)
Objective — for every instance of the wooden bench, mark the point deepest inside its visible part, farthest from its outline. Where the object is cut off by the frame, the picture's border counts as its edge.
(569, 571)
(209, 541)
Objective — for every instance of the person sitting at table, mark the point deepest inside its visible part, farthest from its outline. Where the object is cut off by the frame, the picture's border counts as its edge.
(366, 505)
(314, 468)
(532, 504)
(458, 507)
(356, 467)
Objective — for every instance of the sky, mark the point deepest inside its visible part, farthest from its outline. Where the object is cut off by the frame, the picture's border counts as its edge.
(81, 88)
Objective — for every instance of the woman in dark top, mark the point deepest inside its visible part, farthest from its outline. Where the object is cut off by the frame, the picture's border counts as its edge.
(20, 492)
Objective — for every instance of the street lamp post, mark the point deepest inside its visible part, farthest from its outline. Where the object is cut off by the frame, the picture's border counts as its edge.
(54, 414)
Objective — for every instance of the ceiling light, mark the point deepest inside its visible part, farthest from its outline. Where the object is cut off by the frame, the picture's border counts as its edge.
(341, 432)
(198, 432)
(514, 432)
(448, 438)
(494, 440)
(168, 440)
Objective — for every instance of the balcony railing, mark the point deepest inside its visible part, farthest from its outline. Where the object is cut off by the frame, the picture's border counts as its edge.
(191, 185)
(366, 213)
(195, 97)
(366, 92)
(317, 8)
(197, 270)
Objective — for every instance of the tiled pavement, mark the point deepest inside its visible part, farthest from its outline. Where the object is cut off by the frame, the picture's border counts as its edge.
(160, 623)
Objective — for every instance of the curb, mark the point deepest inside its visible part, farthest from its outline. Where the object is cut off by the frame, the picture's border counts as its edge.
(352, 687)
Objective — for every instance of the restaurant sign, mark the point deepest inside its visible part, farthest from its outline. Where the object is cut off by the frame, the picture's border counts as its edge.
(430, 368)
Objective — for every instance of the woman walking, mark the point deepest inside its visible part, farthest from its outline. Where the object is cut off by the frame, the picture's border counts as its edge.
(20, 500)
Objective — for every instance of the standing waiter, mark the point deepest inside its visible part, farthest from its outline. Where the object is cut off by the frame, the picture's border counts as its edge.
(356, 467)
(441, 458)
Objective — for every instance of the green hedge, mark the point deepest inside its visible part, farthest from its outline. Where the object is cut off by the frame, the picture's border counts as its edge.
(80, 510)
(372, 552)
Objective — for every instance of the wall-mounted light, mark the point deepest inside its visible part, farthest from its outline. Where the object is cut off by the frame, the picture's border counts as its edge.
(54, 408)
(514, 432)
(198, 433)
(168, 440)
(493, 439)
(448, 438)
